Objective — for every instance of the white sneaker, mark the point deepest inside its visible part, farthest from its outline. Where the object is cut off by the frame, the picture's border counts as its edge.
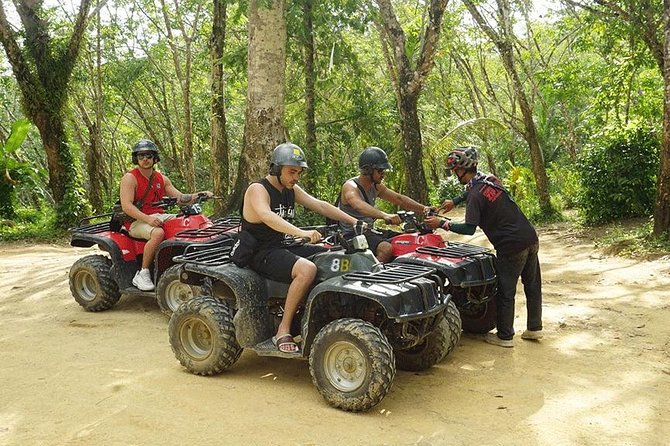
(143, 281)
(492, 338)
(532, 335)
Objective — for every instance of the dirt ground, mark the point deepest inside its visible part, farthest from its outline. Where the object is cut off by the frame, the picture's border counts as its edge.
(601, 376)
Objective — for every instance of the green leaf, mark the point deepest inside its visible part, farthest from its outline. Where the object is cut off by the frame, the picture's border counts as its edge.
(19, 132)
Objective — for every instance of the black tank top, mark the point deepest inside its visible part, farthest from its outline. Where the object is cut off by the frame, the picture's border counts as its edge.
(283, 204)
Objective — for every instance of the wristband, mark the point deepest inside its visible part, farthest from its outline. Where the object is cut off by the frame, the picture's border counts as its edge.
(458, 200)
(445, 225)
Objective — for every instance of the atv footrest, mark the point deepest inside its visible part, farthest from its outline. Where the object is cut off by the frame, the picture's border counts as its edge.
(392, 274)
(454, 250)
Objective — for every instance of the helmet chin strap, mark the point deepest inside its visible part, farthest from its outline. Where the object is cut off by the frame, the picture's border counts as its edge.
(279, 176)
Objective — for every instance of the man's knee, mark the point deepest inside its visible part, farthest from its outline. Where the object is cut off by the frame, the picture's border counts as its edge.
(304, 270)
(157, 234)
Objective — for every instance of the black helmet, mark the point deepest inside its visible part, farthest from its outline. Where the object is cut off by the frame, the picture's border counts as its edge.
(463, 157)
(373, 158)
(287, 154)
(144, 145)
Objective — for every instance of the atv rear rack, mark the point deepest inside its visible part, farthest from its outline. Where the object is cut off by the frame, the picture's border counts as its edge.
(87, 227)
(394, 273)
(220, 225)
(454, 250)
(207, 254)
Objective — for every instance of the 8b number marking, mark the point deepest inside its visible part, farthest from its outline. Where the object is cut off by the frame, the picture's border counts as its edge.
(341, 265)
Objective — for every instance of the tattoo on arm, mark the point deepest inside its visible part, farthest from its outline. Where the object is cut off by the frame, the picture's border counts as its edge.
(185, 198)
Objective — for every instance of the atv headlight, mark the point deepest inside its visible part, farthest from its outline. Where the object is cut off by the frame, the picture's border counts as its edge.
(360, 243)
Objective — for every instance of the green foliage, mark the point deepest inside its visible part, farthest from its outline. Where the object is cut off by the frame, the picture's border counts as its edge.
(446, 189)
(10, 166)
(618, 175)
(565, 185)
(633, 239)
(31, 224)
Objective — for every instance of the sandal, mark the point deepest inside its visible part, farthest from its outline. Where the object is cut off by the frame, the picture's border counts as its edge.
(285, 343)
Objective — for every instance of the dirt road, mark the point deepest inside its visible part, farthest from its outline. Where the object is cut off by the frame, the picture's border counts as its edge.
(601, 376)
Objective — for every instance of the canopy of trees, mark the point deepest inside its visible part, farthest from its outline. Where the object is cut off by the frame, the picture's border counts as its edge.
(216, 84)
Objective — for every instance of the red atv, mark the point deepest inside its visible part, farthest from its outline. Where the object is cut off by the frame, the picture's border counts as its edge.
(468, 271)
(98, 281)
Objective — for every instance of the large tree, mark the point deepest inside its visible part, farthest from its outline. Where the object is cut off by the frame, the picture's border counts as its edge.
(503, 38)
(219, 135)
(408, 79)
(264, 116)
(42, 68)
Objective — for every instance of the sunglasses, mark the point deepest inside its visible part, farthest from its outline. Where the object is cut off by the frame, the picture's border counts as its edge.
(145, 156)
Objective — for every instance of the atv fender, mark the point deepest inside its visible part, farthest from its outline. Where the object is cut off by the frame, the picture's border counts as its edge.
(246, 291)
(123, 260)
(404, 301)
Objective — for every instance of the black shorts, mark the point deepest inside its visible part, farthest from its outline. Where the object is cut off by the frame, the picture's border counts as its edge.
(277, 264)
(375, 237)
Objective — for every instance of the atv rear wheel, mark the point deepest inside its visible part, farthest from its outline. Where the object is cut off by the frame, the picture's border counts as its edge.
(202, 336)
(170, 292)
(92, 285)
(436, 346)
(478, 318)
(352, 364)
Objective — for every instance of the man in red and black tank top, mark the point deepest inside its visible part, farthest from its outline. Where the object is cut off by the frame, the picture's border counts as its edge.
(148, 218)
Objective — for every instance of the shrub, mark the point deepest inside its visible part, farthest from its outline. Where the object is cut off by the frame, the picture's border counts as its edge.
(618, 175)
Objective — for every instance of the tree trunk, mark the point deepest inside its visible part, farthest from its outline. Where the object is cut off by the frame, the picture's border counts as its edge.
(310, 76)
(184, 79)
(219, 137)
(264, 115)
(310, 79)
(662, 208)
(43, 70)
(408, 83)
(417, 187)
(530, 133)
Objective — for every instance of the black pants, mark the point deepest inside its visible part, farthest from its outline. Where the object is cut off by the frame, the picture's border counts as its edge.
(524, 264)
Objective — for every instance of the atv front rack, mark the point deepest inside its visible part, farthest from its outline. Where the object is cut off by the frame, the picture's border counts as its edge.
(207, 254)
(220, 225)
(393, 273)
(454, 250)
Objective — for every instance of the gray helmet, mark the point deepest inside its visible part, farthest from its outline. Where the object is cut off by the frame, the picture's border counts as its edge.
(463, 157)
(373, 158)
(144, 145)
(287, 154)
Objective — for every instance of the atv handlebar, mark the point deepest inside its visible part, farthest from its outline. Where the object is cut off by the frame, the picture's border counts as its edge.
(332, 235)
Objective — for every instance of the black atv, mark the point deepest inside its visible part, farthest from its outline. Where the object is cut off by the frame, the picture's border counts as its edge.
(98, 281)
(360, 320)
(468, 271)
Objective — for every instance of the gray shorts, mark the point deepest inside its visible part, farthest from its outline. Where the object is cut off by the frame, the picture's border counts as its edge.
(140, 229)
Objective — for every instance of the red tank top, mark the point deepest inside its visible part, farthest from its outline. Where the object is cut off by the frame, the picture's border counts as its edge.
(155, 194)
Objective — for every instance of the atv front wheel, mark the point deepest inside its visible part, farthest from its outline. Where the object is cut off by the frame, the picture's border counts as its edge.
(202, 336)
(352, 364)
(170, 292)
(92, 285)
(436, 346)
(478, 318)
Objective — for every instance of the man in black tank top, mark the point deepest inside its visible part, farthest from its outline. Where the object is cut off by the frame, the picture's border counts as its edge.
(267, 212)
(358, 196)
(514, 238)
